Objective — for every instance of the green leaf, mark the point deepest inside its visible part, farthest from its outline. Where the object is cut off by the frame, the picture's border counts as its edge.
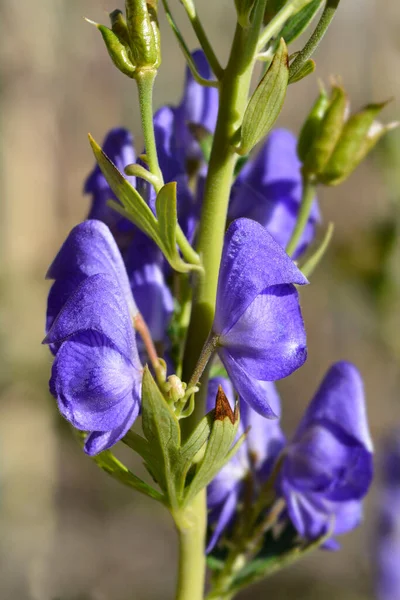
(300, 21)
(308, 68)
(312, 262)
(108, 463)
(275, 555)
(162, 431)
(218, 450)
(136, 209)
(266, 102)
(168, 221)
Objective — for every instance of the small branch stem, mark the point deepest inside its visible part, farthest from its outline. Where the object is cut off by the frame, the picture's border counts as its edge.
(319, 32)
(206, 353)
(141, 327)
(304, 213)
(202, 37)
(145, 82)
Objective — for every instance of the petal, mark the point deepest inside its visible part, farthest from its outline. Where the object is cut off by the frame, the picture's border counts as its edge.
(269, 190)
(269, 340)
(90, 249)
(251, 261)
(265, 439)
(97, 305)
(325, 462)
(96, 387)
(99, 441)
(224, 518)
(340, 402)
(171, 155)
(249, 389)
(144, 264)
(348, 516)
(310, 517)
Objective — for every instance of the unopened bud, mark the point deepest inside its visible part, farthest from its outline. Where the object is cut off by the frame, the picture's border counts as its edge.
(327, 133)
(175, 388)
(118, 51)
(360, 134)
(312, 125)
(141, 17)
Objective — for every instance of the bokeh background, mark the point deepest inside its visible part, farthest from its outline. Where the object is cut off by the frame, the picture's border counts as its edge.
(67, 532)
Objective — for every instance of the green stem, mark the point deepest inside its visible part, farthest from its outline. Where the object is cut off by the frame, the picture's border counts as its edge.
(304, 213)
(277, 22)
(234, 90)
(191, 526)
(319, 32)
(202, 37)
(145, 82)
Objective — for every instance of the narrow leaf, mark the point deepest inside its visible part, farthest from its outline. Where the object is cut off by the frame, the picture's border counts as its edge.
(136, 208)
(300, 21)
(168, 222)
(266, 102)
(108, 463)
(312, 262)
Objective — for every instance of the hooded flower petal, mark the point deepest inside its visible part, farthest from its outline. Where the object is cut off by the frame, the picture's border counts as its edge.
(269, 340)
(88, 250)
(97, 305)
(96, 386)
(269, 190)
(340, 401)
(251, 261)
(248, 388)
(98, 441)
(328, 467)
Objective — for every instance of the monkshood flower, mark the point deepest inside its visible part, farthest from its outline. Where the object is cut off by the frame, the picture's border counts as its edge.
(269, 190)
(258, 329)
(255, 458)
(388, 534)
(96, 375)
(118, 146)
(328, 467)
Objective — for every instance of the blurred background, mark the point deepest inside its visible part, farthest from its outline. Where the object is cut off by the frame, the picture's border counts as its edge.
(67, 532)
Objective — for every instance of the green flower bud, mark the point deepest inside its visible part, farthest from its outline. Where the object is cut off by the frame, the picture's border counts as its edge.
(175, 388)
(360, 134)
(118, 51)
(326, 134)
(312, 125)
(144, 34)
(119, 27)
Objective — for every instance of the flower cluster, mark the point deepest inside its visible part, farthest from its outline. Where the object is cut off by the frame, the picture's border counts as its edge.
(108, 274)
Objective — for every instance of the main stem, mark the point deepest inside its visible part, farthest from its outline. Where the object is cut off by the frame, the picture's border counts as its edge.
(234, 91)
(191, 526)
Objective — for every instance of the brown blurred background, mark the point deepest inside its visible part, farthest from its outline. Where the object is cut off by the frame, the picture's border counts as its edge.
(67, 532)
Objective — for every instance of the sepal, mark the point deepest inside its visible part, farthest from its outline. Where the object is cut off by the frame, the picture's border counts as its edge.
(141, 17)
(220, 448)
(266, 103)
(118, 51)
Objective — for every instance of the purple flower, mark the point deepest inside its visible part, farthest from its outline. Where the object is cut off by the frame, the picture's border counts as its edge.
(118, 146)
(269, 190)
(258, 322)
(388, 534)
(96, 375)
(328, 466)
(88, 250)
(255, 457)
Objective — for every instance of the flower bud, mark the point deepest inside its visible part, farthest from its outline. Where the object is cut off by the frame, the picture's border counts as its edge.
(119, 52)
(143, 31)
(175, 388)
(326, 133)
(360, 134)
(331, 145)
(312, 124)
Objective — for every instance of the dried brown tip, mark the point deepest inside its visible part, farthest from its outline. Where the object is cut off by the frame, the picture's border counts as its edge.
(223, 408)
